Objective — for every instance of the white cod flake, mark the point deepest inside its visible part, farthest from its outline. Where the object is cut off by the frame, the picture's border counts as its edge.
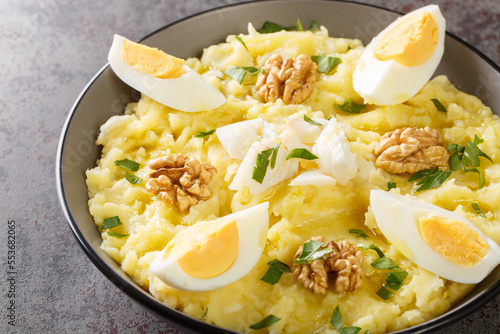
(237, 138)
(300, 134)
(335, 158)
(313, 178)
(283, 170)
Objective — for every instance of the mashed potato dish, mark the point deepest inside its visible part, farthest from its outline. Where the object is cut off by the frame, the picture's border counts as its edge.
(292, 182)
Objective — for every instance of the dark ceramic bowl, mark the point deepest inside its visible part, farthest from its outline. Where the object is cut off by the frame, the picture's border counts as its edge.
(106, 95)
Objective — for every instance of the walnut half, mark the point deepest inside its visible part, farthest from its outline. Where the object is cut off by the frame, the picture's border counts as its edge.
(410, 150)
(346, 264)
(290, 80)
(180, 180)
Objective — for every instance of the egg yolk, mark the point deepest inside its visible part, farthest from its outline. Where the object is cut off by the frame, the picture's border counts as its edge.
(209, 251)
(454, 240)
(151, 61)
(410, 43)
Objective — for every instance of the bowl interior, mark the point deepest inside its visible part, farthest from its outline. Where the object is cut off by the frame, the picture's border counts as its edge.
(106, 96)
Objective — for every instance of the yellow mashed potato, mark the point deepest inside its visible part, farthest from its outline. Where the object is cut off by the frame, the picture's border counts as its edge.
(149, 129)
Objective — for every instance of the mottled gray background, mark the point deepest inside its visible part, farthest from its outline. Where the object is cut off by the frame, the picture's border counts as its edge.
(49, 50)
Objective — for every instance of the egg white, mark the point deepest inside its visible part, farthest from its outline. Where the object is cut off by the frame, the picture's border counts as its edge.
(189, 92)
(252, 225)
(388, 82)
(397, 217)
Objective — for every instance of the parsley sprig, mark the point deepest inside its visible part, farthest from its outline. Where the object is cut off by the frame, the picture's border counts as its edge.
(465, 158)
(430, 178)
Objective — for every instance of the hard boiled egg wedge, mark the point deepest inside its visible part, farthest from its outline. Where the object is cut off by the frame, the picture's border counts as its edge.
(162, 77)
(400, 60)
(212, 254)
(436, 239)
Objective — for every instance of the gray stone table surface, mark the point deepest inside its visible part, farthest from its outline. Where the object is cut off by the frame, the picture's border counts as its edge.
(49, 50)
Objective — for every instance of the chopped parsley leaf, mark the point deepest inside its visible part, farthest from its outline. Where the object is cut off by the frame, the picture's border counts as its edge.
(326, 63)
(311, 121)
(472, 153)
(373, 247)
(270, 27)
(439, 105)
(253, 70)
(391, 185)
(204, 314)
(204, 134)
(237, 73)
(359, 233)
(338, 323)
(384, 263)
(132, 178)
(478, 210)
(430, 178)
(117, 235)
(274, 155)
(311, 250)
(301, 153)
(260, 169)
(394, 278)
(482, 180)
(276, 269)
(128, 165)
(110, 222)
(455, 162)
(351, 107)
(241, 41)
(266, 322)
(464, 157)
(299, 26)
(455, 147)
(423, 173)
(314, 25)
(384, 293)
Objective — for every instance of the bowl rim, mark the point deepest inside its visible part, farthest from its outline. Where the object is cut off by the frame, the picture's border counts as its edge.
(181, 320)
